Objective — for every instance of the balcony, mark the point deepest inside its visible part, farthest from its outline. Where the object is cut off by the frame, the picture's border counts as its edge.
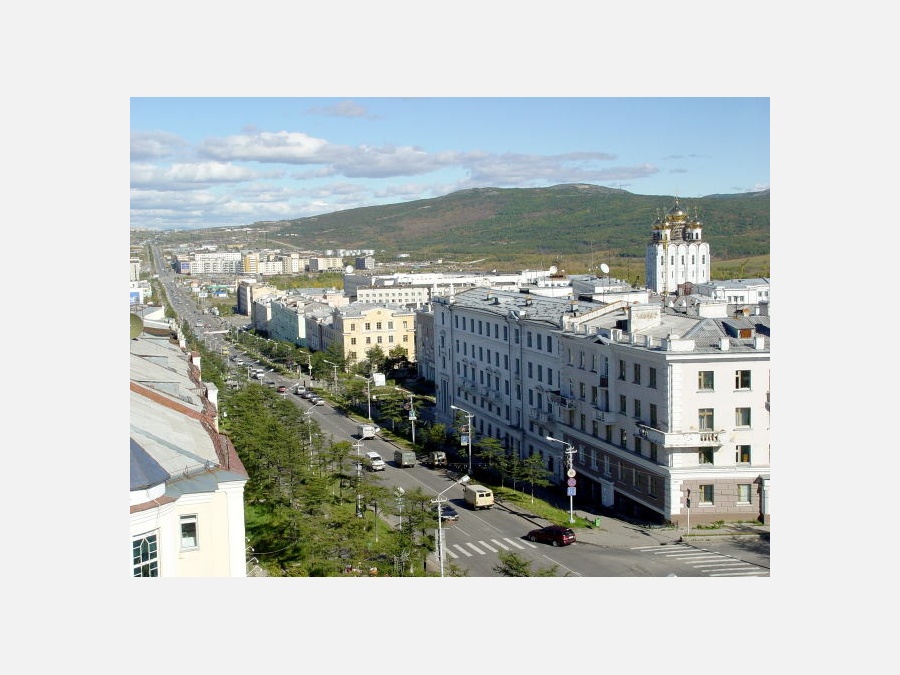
(539, 415)
(606, 416)
(685, 439)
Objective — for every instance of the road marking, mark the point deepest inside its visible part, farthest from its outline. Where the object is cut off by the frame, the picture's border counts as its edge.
(474, 548)
(452, 554)
(464, 551)
(488, 546)
(500, 544)
(516, 544)
(755, 573)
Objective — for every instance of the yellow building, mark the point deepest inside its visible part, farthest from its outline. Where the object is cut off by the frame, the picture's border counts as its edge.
(358, 327)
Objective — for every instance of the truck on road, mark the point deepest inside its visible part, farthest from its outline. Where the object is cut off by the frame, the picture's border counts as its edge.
(365, 431)
(404, 458)
(437, 458)
(478, 496)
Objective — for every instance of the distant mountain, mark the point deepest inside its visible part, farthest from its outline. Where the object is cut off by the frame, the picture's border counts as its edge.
(503, 224)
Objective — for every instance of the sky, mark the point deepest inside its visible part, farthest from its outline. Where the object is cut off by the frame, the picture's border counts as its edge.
(199, 162)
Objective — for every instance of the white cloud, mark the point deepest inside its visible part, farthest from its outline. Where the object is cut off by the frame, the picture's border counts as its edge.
(282, 146)
(188, 176)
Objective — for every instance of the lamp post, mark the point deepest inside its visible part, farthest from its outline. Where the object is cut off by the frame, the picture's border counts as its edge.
(412, 413)
(308, 413)
(469, 417)
(570, 472)
(440, 531)
(368, 393)
(335, 366)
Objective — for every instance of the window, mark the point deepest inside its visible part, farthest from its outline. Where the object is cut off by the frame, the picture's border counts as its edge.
(145, 553)
(742, 454)
(654, 451)
(652, 375)
(368, 340)
(705, 380)
(528, 339)
(637, 373)
(390, 325)
(621, 369)
(707, 494)
(651, 486)
(705, 419)
(706, 456)
(379, 339)
(637, 408)
(743, 495)
(377, 325)
(353, 341)
(623, 404)
(368, 326)
(623, 438)
(550, 344)
(539, 341)
(653, 416)
(742, 379)
(742, 417)
(189, 532)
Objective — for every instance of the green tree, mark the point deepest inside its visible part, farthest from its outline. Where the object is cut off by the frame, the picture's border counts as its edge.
(533, 472)
(491, 451)
(435, 436)
(514, 565)
(375, 358)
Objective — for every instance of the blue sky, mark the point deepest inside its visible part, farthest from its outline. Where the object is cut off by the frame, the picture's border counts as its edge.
(214, 162)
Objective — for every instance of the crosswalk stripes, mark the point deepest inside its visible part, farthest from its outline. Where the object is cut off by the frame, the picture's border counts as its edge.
(708, 562)
(483, 544)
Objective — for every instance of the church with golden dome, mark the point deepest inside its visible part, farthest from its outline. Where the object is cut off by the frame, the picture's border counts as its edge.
(677, 253)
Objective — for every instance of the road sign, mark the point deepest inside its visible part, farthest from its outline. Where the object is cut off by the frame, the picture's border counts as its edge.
(571, 482)
(570, 492)
(571, 473)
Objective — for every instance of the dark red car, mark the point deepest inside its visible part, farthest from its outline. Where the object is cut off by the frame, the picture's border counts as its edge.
(558, 535)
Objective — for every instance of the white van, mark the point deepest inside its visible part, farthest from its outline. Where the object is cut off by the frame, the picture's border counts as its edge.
(478, 496)
(375, 461)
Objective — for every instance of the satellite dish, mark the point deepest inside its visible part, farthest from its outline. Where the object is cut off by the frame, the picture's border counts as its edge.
(137, 325)
(604, 268)
(552, 269)
(349, 269)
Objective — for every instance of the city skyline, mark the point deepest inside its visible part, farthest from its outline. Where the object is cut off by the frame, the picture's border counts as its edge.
(219, 162)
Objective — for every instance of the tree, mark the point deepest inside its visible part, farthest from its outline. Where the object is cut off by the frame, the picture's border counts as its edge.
(376, 359)
(435, 436)
(492, 452)
(398, 357)
(532, 471)
(513, 565)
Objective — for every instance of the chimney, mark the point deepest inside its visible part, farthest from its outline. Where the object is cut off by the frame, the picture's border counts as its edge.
(724, 344)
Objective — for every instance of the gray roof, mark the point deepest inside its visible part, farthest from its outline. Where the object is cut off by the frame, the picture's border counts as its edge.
(145, 471)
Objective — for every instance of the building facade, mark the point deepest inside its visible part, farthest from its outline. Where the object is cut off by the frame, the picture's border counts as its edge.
(186, 480)
(676, 254)
(661, 408)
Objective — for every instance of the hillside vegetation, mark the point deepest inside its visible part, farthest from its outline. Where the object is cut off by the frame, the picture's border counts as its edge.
(575, 227)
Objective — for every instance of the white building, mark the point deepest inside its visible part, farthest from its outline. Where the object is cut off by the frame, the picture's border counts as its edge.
(676, 254)
(187, 482)
(654, 401)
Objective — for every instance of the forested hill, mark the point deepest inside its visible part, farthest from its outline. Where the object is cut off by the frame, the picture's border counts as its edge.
(516, 224)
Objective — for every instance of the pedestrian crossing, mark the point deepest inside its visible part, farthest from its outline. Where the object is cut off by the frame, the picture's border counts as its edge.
(482, 547)
(710, 563)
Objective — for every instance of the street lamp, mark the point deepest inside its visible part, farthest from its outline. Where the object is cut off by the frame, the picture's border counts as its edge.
(570, 472)
(335, 366)
(368, 393)
(440, 538)
(412, 413)
(308, 413)
(469, 417)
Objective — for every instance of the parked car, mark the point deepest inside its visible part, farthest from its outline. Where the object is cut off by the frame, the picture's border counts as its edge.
(449, 513)
(281, 389)
(557, 535)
